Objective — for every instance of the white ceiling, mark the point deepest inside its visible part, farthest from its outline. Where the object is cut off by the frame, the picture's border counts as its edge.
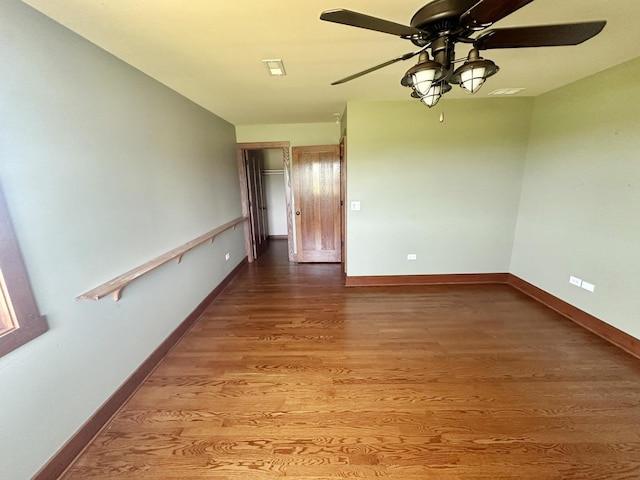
(211, 51)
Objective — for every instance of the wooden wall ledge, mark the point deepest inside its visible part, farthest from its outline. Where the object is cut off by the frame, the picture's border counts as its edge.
(116, 285)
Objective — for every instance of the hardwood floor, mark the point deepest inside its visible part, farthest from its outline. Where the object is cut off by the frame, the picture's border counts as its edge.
(290, 374)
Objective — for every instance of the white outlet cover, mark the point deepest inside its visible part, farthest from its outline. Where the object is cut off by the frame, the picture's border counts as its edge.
(355, 206)
(575, 281)
(411, 256)
(588, 286)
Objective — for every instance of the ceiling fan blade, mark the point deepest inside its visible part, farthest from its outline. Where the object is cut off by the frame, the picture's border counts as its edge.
(355, 19)
(487, 12)
(406, 56)
(539, 36)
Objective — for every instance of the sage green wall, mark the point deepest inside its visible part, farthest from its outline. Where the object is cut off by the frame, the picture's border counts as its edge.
(447, 192)
(580, 208)
(298, 134)
(103, 169)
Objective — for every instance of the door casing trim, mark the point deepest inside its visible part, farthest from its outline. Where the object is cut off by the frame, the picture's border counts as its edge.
(244, 194)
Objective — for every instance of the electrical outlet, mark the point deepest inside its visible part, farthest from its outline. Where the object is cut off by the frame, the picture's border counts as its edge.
(575, 281)
(588, 286)
(411, 256)
(355, 206)
(227, 257)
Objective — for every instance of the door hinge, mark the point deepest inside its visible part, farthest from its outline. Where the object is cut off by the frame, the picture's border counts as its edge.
(341, 203)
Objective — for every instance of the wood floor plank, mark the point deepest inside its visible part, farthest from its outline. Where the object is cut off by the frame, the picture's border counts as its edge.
(290, 374)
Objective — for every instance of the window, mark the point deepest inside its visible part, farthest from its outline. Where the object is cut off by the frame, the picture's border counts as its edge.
(20, 321)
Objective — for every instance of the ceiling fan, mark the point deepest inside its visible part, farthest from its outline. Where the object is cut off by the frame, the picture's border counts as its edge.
(440, 24)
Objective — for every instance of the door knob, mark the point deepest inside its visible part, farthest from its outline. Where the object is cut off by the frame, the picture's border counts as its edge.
(298, 212)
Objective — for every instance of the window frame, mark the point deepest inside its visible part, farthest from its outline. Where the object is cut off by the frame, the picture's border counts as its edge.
(20, 320)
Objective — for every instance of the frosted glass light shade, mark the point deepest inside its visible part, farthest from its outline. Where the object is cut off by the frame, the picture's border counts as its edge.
(433, 95)
(471, 80)
(421, 76)
(422, 80)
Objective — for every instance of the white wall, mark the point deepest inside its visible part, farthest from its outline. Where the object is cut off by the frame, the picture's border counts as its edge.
(447, 192)
(273, 180)
(580, 208)
(103, 169)
(276, 204)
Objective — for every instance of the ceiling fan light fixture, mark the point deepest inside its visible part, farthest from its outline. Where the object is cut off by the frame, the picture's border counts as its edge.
(442, 24)
(474, 72)
(422, 76)
(422, 81)
(435, 93)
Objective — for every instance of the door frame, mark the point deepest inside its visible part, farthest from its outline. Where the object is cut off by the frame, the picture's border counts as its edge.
(343, 202)
(244, 194)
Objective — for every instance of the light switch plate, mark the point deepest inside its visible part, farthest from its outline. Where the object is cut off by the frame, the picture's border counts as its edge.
(575, 281)
(355, 206)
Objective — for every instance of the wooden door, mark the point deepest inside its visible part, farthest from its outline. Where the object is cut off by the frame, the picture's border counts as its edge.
(257, 204)
(316, 195)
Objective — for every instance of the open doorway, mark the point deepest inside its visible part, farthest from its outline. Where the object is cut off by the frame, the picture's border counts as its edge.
(274, 189)
(260, 179)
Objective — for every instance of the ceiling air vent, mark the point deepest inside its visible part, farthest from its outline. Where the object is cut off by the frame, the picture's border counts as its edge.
(506, 91)
(275, 67)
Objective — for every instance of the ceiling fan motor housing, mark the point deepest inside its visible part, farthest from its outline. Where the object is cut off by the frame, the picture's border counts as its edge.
(441, 15)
